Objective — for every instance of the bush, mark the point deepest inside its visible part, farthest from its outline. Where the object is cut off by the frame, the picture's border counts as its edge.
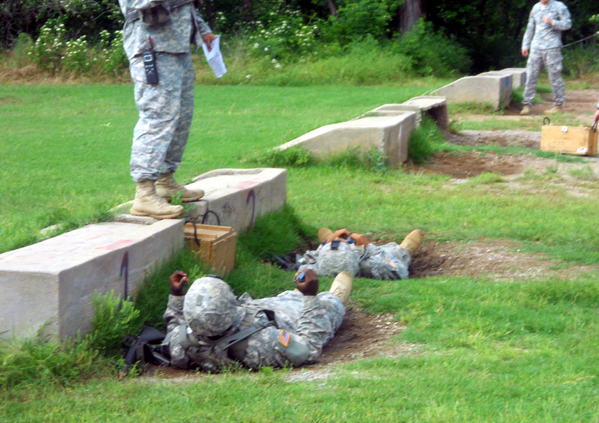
(424, 141)
(432, 53)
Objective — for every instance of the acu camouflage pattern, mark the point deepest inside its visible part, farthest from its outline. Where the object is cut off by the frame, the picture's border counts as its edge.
(177, 28)
(552, 60)
(165, 114)
(544, 43)
(311, 322)
(210, 307)
(386, 262)
(541, 36)
(165, 109)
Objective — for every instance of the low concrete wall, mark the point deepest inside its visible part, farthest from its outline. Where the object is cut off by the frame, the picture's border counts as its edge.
(389, 134)
(493, 89)
(49, 285)
(433, 106)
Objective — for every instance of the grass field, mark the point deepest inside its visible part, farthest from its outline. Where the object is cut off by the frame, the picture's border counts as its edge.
(486, 351)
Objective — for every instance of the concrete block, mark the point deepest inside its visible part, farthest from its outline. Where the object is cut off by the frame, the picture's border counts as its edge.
(233, 197)
(389, 134)
(50, 284)
(493, 89)
(433, 106)
(518, 76)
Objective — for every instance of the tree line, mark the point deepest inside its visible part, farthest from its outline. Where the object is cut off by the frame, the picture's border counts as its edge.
(490, 31)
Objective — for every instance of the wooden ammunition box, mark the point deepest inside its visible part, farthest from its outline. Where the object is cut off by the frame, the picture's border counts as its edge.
(214, 245)
(580, 140)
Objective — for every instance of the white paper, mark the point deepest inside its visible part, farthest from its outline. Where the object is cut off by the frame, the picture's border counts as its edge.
(215, 58)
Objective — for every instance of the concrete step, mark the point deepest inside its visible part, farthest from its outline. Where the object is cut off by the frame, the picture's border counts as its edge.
(389, 134)
(233, 197)
(49, 285)
(493, 89)
(433, 106)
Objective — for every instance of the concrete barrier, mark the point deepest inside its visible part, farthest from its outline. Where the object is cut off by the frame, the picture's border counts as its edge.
(49, 285)
(493, 89)
(518, 76)
(389, 134)
(233, 197)
(432, 106)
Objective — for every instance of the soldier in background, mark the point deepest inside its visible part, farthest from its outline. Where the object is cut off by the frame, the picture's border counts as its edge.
(352, 252)
(157, 38)
(209, 327)
(542, 45)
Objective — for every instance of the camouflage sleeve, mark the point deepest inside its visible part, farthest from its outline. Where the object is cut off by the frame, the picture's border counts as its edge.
(529, 34)
(314, 327)
(203, 27)
(143, 4)
(278, 347)
(173, 316)
(564, 22)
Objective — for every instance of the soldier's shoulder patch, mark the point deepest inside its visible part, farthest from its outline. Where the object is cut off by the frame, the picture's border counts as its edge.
(284, 338)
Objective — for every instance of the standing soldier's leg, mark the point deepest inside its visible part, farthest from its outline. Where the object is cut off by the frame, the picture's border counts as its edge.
(159, 111)
(166, 186)
(533, 69)
(554, 70)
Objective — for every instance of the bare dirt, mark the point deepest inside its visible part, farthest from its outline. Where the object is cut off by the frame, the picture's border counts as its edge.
(362, 335)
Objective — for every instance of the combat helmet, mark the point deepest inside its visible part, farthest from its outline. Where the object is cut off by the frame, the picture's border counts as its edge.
(335, 257)
(210, 307)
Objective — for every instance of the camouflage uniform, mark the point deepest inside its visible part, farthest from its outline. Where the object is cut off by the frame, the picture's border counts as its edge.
(544, 43)
(165, 109)
(386, 262)
(291, 329)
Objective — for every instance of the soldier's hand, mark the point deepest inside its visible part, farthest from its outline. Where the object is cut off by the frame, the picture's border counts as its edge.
(178, 281)
(306, 282)
(547, 20)
(525, 52)
(208, 38)
(360, 239)
(340, 233)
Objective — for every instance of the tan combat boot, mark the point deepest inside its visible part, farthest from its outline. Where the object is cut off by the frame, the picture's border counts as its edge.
(526, 110)
(412, 242)
(555, 109)
(147, 203)
(167, 187)
(342, 285)
(324, 234)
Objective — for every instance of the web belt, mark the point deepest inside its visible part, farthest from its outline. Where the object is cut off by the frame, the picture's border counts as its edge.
(135, 15)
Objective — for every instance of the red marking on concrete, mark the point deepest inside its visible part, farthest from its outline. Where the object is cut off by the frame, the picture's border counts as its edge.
(115, 245)
(245, 184)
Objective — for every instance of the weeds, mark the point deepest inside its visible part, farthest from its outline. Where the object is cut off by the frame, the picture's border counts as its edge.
(425, 141)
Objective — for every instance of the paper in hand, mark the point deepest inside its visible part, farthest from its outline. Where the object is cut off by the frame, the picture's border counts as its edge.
(215, 58)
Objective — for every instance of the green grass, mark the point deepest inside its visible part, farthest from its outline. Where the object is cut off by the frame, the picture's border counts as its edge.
(474, 350)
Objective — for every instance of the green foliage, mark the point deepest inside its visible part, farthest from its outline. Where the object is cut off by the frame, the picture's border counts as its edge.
(276, 233)
(113, 320)
(424, 141)
(37, 360)
(359, 19)
(291, 157)
(432, 52)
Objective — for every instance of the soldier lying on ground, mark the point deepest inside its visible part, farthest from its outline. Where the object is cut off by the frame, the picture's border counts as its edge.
(344, 251)
(209, 327)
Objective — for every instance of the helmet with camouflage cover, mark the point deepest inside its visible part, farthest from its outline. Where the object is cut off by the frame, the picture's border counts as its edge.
(210, 307)
(337, 256)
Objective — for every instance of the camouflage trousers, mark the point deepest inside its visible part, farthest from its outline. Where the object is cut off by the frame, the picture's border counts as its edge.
(551, 58)
(165, 114)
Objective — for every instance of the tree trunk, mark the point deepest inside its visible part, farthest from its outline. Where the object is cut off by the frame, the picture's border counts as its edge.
(409, 13)
(248, 10)
(332, 7)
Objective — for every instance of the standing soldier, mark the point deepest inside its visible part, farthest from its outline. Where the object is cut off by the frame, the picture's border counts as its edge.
(157, 37)
(543, 40)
